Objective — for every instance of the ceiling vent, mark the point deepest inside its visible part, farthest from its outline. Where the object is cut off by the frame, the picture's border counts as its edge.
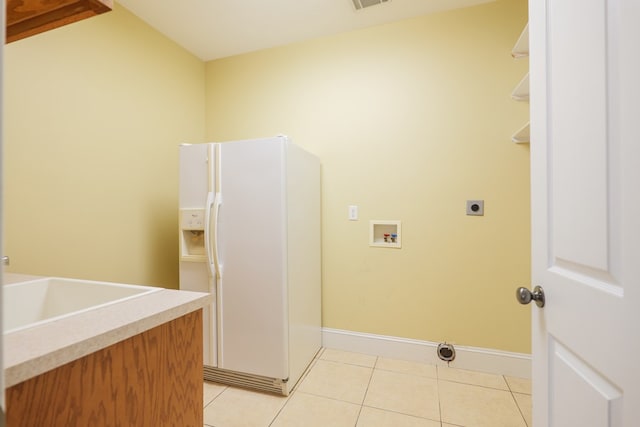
(363, 4)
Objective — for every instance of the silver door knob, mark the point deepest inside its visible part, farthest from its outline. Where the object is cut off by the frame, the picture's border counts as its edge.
(5, 260)
(525, 296)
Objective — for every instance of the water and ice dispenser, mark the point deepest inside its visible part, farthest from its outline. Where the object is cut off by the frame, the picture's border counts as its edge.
(192, 246)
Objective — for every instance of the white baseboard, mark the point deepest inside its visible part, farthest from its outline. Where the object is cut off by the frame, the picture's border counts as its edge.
(473, 358)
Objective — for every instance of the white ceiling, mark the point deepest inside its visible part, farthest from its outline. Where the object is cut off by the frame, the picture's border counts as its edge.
(212, 29)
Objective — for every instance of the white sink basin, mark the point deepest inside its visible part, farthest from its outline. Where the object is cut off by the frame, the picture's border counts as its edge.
(30, 303)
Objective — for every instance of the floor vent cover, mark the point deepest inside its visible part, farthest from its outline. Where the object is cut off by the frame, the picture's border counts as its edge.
(363, 4)
(239, 379)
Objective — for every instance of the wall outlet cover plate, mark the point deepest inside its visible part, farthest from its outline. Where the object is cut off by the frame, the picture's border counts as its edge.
(475, 207)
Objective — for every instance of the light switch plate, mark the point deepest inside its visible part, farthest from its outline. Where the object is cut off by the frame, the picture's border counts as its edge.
(353, 213)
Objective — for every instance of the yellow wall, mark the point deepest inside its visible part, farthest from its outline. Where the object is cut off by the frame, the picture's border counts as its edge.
(94, 112)
(409, 120)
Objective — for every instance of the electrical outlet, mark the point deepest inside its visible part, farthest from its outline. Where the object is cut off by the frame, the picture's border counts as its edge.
(475, 207)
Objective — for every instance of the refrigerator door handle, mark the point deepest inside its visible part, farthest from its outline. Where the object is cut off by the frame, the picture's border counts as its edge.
(207, 234)
(217, 201)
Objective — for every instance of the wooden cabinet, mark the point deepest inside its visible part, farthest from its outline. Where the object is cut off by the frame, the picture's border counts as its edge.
(151, 379)
(29, 17)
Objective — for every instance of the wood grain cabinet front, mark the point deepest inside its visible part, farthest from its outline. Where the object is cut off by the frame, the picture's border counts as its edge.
(151, 379)
(29, 17)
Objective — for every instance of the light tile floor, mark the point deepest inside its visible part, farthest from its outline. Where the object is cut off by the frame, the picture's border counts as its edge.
(357, 390)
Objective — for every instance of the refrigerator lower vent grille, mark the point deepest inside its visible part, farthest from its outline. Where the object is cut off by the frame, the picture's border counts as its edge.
(256, 382)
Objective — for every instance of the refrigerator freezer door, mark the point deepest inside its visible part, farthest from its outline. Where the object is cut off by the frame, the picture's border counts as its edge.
(197, 176)
(252, 298)
(197, 179)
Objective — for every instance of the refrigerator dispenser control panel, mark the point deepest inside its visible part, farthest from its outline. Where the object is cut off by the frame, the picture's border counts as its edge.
(192, 219)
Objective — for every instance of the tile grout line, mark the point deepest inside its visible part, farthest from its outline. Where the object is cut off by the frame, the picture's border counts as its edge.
(476, 385)
(519, 410)
(349, 363)
(307, 372)
(226, 387)
(516, 401)
(507, 382)
(373, 369)
(335, 399)
(275, 417)
(295, 388)
(439, 399)
(418, 417)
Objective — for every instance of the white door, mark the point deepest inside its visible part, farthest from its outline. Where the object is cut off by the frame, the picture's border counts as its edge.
(585, 159)
(2, 35)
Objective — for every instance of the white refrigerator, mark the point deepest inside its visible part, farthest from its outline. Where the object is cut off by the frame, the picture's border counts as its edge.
(249, 226)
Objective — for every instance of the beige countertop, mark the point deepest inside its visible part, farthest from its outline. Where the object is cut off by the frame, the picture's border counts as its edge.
(33, 351)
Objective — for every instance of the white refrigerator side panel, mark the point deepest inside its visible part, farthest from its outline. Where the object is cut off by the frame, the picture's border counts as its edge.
(252, 246)
(304, 258)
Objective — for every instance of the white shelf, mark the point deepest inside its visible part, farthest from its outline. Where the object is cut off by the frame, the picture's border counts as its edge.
(521, 92)
(522, 136)
(521, 49)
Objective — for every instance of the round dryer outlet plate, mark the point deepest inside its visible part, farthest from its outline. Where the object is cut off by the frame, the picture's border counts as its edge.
(446, 352)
